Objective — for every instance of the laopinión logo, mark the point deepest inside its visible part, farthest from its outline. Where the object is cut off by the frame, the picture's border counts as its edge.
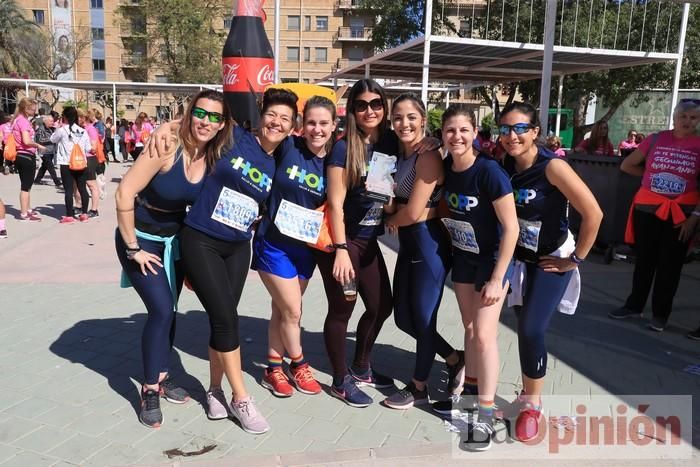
(255, 175)
(592, 427)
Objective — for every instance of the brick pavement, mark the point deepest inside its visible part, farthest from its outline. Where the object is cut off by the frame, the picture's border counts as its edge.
(70, 362)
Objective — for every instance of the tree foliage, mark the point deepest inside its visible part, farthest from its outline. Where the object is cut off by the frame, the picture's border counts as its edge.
(15, 33)
(184, 43)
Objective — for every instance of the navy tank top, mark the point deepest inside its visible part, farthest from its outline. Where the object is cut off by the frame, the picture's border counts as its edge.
(542, 209)
(161, 206)
(405, 177)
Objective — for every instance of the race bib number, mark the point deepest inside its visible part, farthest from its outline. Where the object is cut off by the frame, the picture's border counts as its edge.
(667, 184)
(298, 222)
(529, 234)
(374, 216)
(463, 236)
(235, 210)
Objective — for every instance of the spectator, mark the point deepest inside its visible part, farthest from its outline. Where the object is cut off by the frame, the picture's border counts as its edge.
(108, 141)
(122, 132)
(598, 143)
(628, 145)
(27, 148)
(44, 130)
(554, 145)
(140, 132)
(485, 145)
(639, 138)
(86, 120)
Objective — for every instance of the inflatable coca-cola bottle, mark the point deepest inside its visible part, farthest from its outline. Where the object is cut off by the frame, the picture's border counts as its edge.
(247, 61)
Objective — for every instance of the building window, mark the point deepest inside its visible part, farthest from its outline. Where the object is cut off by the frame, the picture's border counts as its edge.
(292, 54)
(307, 23)
(98, 64)
(96, 4)
(227, 22)
(356, 54)
(38, 16)
(161, 79)
(98, 34)
(129, 106)
(321, 54)
(307, 54)
(293, 23)
(322, 23)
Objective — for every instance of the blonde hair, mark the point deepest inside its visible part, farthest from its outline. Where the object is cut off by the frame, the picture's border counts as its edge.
(552, 140)
(97, 114)
(23, 105)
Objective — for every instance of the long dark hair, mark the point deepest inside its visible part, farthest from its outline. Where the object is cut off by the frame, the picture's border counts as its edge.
(222, 140)
(356, 159)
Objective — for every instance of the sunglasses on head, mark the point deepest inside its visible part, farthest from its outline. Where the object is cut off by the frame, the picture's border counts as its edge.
(201, 114)
(374, 104)
(518, 128)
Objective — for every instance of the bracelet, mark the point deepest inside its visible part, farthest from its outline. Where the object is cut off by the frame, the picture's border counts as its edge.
(575, 259)
(340, 246)
(131, 252)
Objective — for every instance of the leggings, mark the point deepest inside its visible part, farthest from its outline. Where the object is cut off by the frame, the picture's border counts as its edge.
(660, 257)
(26, 167)
(71, 178)
(374, 288)
(47, 164)
(542, 295)
(217, 271)
(419, 278)
(159, 330)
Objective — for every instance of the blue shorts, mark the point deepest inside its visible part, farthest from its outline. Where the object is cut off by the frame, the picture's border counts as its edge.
(470, 270)
(282, 259)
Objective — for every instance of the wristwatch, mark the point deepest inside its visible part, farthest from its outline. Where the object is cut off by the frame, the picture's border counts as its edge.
(575, 259)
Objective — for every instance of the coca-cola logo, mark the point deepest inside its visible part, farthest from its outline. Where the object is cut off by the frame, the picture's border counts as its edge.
(266, 75)
(231, 73)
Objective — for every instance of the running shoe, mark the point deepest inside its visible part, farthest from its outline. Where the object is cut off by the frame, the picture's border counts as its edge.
(29, 216)
(216, 404)
(276, 381)
(67, 220)
(3, 233)
(150, 414)
(657, 324)
(83, 218)
(622, 313)
(457, 403)
(527, 425)
(303, 379)
(695, 335)
(77, 212)
(454, 378)
(250, 419)
(93, 213)
(349, 393)
(479, 435)
(372, 378)
(171, 392)
(407, 397)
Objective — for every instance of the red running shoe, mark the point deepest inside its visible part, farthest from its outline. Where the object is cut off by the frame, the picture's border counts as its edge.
(527, 425)
(276, 381)
(304, 380)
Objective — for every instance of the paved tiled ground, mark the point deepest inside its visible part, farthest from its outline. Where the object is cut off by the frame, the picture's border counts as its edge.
(70, 362)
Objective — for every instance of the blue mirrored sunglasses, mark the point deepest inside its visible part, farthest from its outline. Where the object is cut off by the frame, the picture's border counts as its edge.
(518, 128)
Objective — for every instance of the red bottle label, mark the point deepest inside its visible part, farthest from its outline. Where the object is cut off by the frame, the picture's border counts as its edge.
(241, 74)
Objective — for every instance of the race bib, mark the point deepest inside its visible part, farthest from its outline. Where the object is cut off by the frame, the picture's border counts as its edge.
(235, 210)
(298, 222)
(462, 233)
(667, 184)
(529, 234)
(374, 216)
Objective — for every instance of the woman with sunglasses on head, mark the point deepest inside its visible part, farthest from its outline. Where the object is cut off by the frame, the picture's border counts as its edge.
(424, 254)
(281, 254)
(152, 199)
(627, 146)
(665, 213)
(546, 252)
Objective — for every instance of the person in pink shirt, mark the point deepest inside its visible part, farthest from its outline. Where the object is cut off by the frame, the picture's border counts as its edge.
(554, 145)
(92, 163)
(628, 145)
(140, 132)
(25, 164)
(598, 143)
(665, 213)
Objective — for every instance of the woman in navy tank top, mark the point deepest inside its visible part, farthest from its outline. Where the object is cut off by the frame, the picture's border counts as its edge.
(543, 186)
(151, 205)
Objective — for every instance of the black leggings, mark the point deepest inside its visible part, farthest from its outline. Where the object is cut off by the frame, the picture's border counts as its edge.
(26, 167)
(217, 271)
(70, 179)
(47, 164)
(373, 286)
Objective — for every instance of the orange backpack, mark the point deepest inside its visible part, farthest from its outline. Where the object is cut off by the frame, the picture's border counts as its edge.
(10, 151)
(100, 153)
(77, 159)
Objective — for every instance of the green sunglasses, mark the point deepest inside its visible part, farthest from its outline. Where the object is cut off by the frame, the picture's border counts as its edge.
(201, 114)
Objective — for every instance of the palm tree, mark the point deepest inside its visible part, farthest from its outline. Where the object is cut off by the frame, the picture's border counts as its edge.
(15, 35)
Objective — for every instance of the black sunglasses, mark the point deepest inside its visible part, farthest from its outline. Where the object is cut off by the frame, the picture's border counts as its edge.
(201, 114)
(518, 128)
(374, 104)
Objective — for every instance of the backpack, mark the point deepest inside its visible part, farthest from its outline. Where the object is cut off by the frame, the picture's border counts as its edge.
(10, 151)
(77, 160)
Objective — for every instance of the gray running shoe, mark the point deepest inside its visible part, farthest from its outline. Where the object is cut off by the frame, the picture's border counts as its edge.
(479, 435)
(247, 414)
(407, 397)
(171, 392)
(150, 414)
(216, 404)
(457, 403)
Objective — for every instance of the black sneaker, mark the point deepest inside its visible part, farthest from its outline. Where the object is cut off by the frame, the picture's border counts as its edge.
(372, 378)
(407, 397)
(171, 392)
(657, 324)
(695, 335)
(93, 213)
(77, 212)
(453, 382)
(457, 403)
(150, 414)
(3, 233)
(622, 313)
(479, 435)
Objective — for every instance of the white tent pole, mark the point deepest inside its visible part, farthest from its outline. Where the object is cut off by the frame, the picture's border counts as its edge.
(559, 99)
(679, 63)
(426, 51)
(550, 21)
(367, 70)
(26, 88)
(277, 41)
(115, 133)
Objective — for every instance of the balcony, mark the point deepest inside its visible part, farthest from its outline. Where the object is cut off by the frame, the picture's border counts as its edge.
(132, 30)
(342, 63)
(354, 34)
(348, 4)
(133, 61)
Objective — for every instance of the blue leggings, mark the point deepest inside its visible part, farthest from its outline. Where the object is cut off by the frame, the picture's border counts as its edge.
(154, 290)
(419, 277)
(542, 295)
